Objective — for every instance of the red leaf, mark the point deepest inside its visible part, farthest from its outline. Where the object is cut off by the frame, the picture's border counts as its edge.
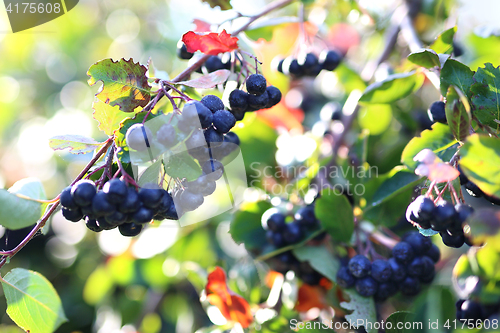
(210, 43)
(310, 297)
(232, 306)
(201, 26)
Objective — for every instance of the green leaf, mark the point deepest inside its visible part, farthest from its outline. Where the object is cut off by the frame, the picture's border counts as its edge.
(486, 95)
(480, 161)
(208, 81)
(393, 88)
(320, 259)
(376, 118)
(16, 209)
(439, 139)
(182, 165)
(399, 180)
(109, 117)
(456, 113)
(363, 310)
(246, 227)
(335, 214)
(458, 74)
(425, 58)
(151, 174)
(32, 301)
(124, 83)
(77, 144)
(223, 4)
(396, 318)
(444, 42)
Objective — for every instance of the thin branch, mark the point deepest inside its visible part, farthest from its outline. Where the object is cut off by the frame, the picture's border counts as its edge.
(9, 254)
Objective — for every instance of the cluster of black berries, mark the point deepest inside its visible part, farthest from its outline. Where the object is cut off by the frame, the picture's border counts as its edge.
(280, 233)
(442, 217)
(474, 190)
(436, 113)
(258, 96)
(308, 64)
(411, 264)
(116, 205)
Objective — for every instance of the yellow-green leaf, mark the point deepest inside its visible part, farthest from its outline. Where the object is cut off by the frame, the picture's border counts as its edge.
(125, 83)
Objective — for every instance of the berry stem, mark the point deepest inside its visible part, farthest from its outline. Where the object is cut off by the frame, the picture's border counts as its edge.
(49, 211)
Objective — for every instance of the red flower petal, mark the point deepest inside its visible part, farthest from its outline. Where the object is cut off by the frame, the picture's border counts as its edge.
(232, 306)
(211, 43)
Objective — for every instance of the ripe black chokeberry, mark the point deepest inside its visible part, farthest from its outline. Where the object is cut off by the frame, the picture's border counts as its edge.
(464, 211)
(437, 112)
(410, 286)
(455, 241)
(101, 205)
(116, 218)
(213, 64)
(275, 238)
(425, 208)
(238, 100)
(467, 309)
(223, 121)
(196, 139)
(72, 215)
(116, 190)
(208, 189)
(309, 63)
(306, 216)
(445, 214)
(274, 95)
(238, 115)
(212, 169)
(381, 270)
(92, 224)
(139, 137)
(67, 199)
(344, 278)
(256, 84)
(330, 59)
(171, 213)
(83, 192)
(434, 253)
(143, 215)
(204, 115)
(258, 102)
(359, 266)
(189, 201)
(384, 291)
(274, 222)
(131, 203)
(166, 136)
(182, 51)
(213, 102)
(105, 225)
(416, 267)
(398, 270)
(418, 242)
(366, 286)
(292, 233)
(166, 201)
(150, 197)
(403, 252)
(428, 267)
(213, 138)
(130, 229)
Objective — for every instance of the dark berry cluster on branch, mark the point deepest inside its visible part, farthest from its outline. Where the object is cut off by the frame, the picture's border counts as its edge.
(258, 96)
(469, 310)
(286, 261)
(280, 233)
(411, 264)
(443, 217)
(116, 205)
(308, 64)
